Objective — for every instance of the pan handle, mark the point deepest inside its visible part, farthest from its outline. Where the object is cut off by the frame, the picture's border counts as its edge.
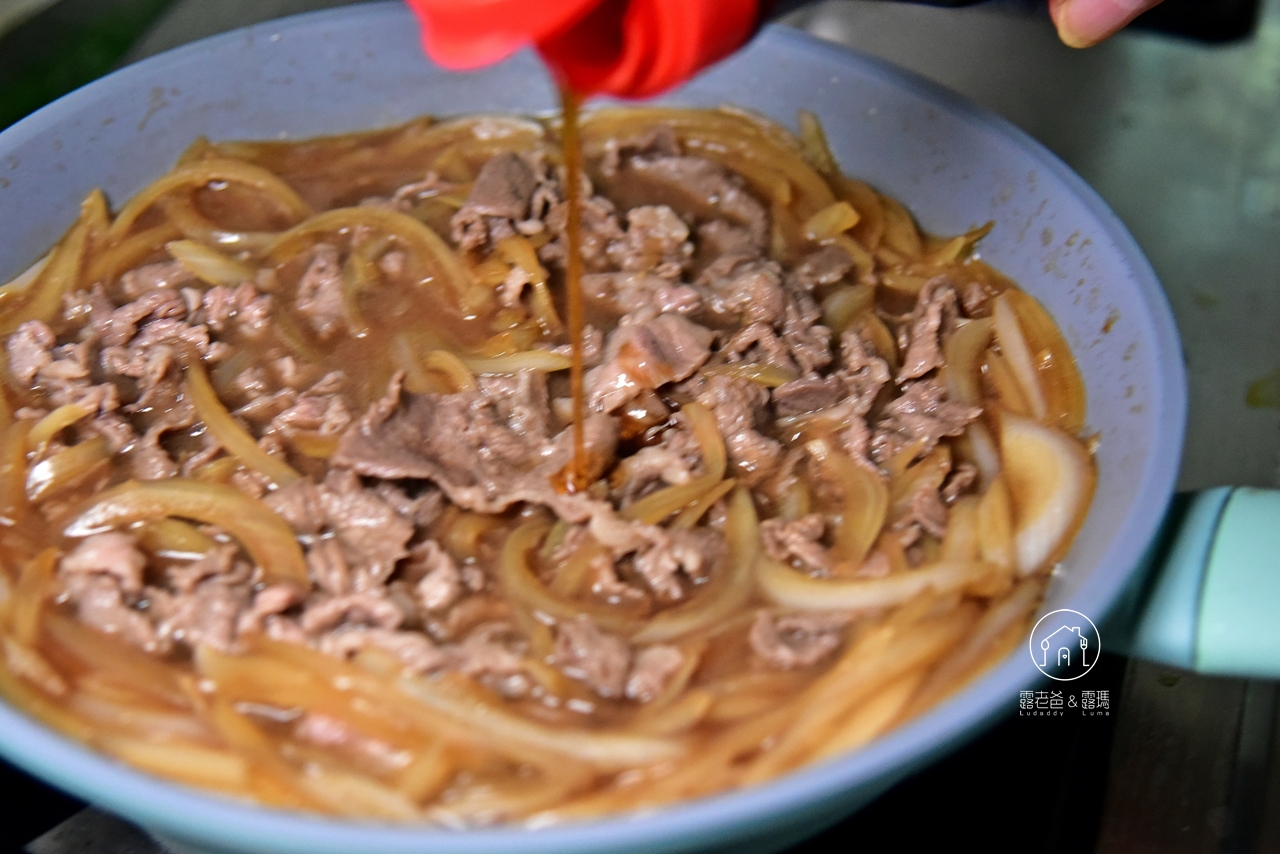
(1214, 606)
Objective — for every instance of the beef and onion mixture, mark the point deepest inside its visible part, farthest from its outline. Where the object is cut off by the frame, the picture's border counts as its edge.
(284, 500)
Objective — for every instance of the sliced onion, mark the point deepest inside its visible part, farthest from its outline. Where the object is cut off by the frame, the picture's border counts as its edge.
(963, 353)
(1051, 479)
(268, 539)
(224, 428)
(794, 589)
(208, 265)
(1018, 356)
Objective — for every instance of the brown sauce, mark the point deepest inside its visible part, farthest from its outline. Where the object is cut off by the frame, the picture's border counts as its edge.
(299, 699)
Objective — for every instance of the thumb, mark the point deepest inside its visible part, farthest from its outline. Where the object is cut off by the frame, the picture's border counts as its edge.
(1084, 23)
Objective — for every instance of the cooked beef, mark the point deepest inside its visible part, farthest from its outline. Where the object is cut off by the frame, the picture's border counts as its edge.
(250, 310)
(625, 293)
(824, 266)
(441, 584)
(647, 355)
(458, 441)
(209, 614)
(651, 671)
(740, 409)
(494, 654)
(600, 227)
(679, 555)
(960, 481)
(926, 512)
(808, 341)
(751, 292)
(929, 324)
(759, 344)
(671, 461)
(607, 587)
(319, 296)
(698, 189)
(351, 609)
(414, 650)
(863, 373)
(723, 246)
(656, 241)
(111, 554)
(922, 414)
(28, 349)
(796, 640)
(660, 141)
(152, 305)
(807, 394)
(102, 603)
(371, 533)
(500, 195)
(167, 274)
(520, 402)
(323, 415)
(800, 539)
(589, 655)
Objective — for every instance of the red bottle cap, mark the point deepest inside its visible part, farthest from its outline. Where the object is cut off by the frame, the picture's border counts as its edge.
(624, 48)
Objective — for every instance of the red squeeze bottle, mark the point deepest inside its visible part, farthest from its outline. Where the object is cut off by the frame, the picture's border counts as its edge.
(624, 48)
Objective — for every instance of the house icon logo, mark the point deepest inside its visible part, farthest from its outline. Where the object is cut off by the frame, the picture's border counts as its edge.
(1065, 644)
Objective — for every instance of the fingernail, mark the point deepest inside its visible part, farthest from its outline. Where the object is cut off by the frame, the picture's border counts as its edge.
(1083, 23)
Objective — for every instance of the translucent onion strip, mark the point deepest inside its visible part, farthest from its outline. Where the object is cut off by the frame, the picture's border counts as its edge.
(995, 526)
(1056, 369)
(202, 173)
(523, 585)
(901, 644)
(55, 422)
(182, 213)
(794, 589)
(769, 376)
(238, 442)
(1018, 356)
(13, 471)
(454, 369)
(690, 516)
(963, 355)
(900, 232)
(542, 361)
(208, 265)
(60, 276)
(128, 253)
(844, 304)
(264, 535)
(67, 468)
(15, 291)
(657, 506)
(1051, 479)
(866, 503)
(835, 218)
(813, 139)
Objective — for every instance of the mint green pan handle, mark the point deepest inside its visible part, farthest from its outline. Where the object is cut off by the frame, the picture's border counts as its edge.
(1214, 606)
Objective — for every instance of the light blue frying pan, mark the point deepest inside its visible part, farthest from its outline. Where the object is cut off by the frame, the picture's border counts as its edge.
(954, 165)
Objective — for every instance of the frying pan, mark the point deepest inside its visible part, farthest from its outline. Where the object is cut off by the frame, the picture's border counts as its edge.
(952, 164)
